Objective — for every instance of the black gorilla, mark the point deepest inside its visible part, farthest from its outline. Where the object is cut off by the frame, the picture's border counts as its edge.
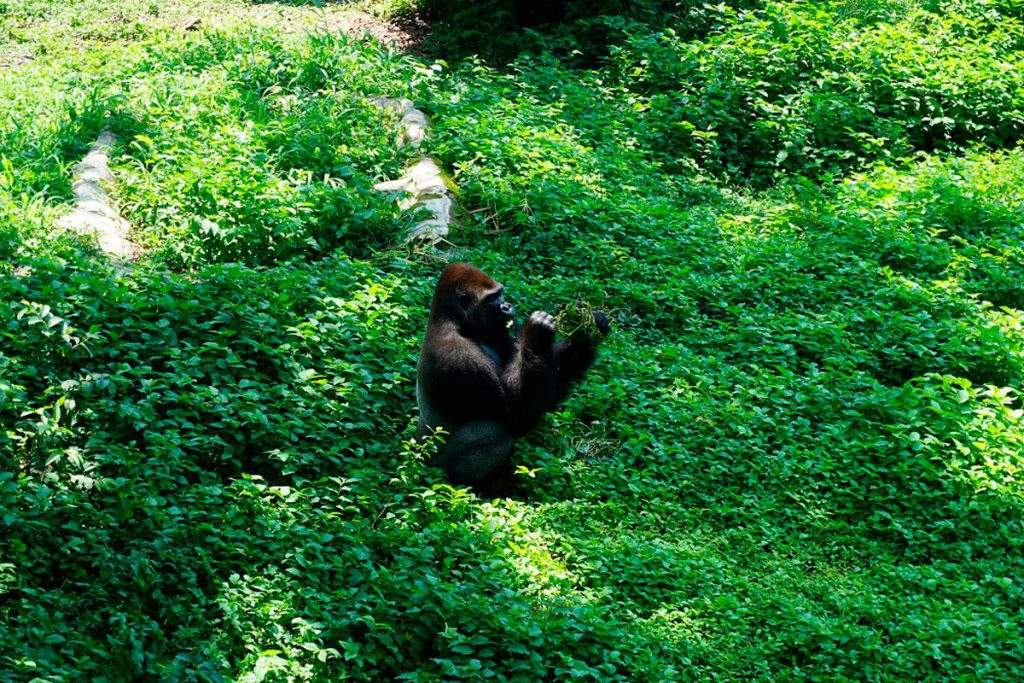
(481, 385)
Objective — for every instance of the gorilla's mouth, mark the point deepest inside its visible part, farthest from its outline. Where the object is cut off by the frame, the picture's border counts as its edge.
(508, 323)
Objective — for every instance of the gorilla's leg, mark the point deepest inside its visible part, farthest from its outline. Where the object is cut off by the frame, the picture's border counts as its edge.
(475, 452)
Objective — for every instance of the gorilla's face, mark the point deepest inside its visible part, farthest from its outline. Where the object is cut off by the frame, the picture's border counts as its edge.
(502, 311)
(474, 300)
(491, 314)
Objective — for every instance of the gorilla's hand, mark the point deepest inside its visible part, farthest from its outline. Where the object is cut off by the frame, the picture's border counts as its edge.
(604, 325)
(540, 331)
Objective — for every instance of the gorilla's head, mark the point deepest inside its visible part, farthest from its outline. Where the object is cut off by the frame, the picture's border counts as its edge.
(473, 300)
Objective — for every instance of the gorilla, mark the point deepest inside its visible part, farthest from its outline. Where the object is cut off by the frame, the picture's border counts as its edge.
(481, 385)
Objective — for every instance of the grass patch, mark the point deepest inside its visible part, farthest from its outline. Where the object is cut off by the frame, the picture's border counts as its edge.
(798, 456)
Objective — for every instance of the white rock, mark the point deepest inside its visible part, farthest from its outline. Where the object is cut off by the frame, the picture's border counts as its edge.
(109, 232)
(94, 213)
(423, 188)
(421, 179)
(413, 124)
(398, 104)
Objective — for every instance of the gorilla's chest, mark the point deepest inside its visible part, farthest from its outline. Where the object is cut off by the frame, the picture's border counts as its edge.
(492, 355)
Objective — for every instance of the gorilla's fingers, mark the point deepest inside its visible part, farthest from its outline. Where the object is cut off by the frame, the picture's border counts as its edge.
(540, 329)
(543, 319)
(604, 325)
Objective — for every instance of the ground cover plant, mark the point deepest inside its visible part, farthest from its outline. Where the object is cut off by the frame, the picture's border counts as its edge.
(798, 458)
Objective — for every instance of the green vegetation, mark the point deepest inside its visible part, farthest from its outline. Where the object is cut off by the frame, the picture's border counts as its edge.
(798, 458)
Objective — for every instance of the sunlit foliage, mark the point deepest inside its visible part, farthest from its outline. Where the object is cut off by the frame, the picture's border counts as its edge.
(798, 458)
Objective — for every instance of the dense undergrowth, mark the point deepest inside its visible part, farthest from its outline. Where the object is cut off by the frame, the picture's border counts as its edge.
(798, 457)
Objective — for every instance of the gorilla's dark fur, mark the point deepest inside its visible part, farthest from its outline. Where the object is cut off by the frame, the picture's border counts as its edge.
(481, 385)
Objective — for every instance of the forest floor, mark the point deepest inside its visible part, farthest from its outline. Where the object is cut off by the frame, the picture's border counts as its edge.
(798, 456)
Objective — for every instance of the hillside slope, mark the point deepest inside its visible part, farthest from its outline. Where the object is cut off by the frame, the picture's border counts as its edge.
(798, 457)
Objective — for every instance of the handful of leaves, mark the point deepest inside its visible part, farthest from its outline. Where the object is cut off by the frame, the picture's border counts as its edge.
(577, 319)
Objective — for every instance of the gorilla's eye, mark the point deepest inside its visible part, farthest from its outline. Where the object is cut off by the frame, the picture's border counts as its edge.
(465, 299)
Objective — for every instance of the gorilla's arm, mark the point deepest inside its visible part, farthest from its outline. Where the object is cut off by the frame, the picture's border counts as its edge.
(529, 377)
(574, 357)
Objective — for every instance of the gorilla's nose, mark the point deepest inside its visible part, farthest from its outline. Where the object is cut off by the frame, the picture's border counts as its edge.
(508, 309)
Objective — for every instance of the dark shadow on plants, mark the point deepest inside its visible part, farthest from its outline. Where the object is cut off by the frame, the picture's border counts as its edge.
(755, 114)
(580, 33)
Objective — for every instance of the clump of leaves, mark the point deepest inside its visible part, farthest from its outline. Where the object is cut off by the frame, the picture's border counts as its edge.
(577, 320)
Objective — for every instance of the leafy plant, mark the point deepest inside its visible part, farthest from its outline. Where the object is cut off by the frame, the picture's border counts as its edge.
(797, 458)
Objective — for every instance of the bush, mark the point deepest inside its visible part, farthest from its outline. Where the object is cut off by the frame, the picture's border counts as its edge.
(798, 88)
(798, 456)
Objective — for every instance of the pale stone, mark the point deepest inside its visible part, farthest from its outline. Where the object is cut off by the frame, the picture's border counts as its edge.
(422, 185)
(94, 213)
(109, 232)
(422, 178)
(423, 188)
(434, 228)
(413, 123)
